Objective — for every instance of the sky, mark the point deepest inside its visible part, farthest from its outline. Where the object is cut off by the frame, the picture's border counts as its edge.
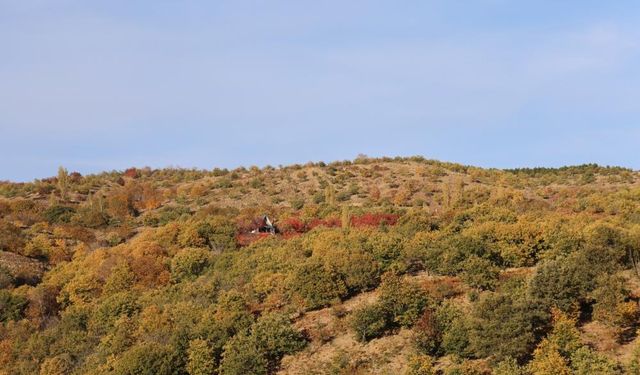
(105, 85)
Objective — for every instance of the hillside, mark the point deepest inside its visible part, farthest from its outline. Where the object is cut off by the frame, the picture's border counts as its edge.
(380, 266)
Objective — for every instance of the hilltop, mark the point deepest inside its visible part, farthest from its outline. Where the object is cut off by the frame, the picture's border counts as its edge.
(390, 265)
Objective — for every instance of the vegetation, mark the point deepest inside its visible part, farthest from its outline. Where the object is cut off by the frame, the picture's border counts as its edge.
(378, 266)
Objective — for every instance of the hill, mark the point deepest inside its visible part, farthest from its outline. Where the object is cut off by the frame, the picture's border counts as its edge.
(392, 265)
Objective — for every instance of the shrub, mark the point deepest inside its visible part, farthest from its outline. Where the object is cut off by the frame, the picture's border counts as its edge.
(564, 283)
(357, 268)
(611, 306)
(59, 214)
(6, 278)
(501, 327)
(187, 264)
(420, 365)
(369, 322)
(11, 238)
(585, 361)
(404, 301)
(146, 359)
(427, 333)
(275, 338)
(11, 306)
(241, 356)
(113, 307)
(480, 273)
(59, 365)
(201, 358)
(509, 366)
(216, 233)
(317, 285)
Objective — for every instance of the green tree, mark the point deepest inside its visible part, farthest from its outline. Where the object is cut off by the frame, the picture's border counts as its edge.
(317, 285)
(405, 301)
(201, 358)
(480, 273)
(242, 356)
(189, 263)
(11, 306)
(146, 359)
(585, 361)
(501, 327)
(369, 322)
(275, 337)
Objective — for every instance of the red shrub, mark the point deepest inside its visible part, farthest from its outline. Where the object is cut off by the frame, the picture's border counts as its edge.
(373, 220)
(292, 225)
(131, 173)
(332, 222)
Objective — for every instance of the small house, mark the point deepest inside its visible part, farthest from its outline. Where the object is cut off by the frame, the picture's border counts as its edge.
(264, 225)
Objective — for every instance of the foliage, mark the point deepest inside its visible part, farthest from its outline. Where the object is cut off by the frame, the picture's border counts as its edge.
(369, 322)
(189, 263)
(317, 285)
(156, 271)
(420, 365)
(11, 306)
(501, 327)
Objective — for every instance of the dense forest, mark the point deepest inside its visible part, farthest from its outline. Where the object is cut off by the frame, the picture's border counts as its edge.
(379, 266)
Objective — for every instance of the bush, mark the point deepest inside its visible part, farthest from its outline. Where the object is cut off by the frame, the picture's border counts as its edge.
(317, 285)
(11, 306)
(275, 338)
(59, 365)
(369, 322)
(11, 238)
(501, 327)
(6, 278)
(59, 214)
(357, 268)
(404, 301)
(420, 365)
(480, 273)
(427, 333)
(113, 307)
(215, 233)
(146, 359)
(187, 264)
(241, 356)
(564, 283)
(201, 358)
(585, 361)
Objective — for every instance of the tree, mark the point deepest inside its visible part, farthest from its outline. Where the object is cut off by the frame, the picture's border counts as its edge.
(480, 273)
(427, 333)
(63, 182)
(241, 356)
(201, 360)
(11, 306)
(547, 360)
(146, 359)
(369, 322)
(187, 264)
(59, 365)
(501, 327)
(317, 285)
(585, 361)
(275, 337)
(404, 301)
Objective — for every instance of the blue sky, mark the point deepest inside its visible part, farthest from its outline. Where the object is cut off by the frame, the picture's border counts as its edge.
(102, 85)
